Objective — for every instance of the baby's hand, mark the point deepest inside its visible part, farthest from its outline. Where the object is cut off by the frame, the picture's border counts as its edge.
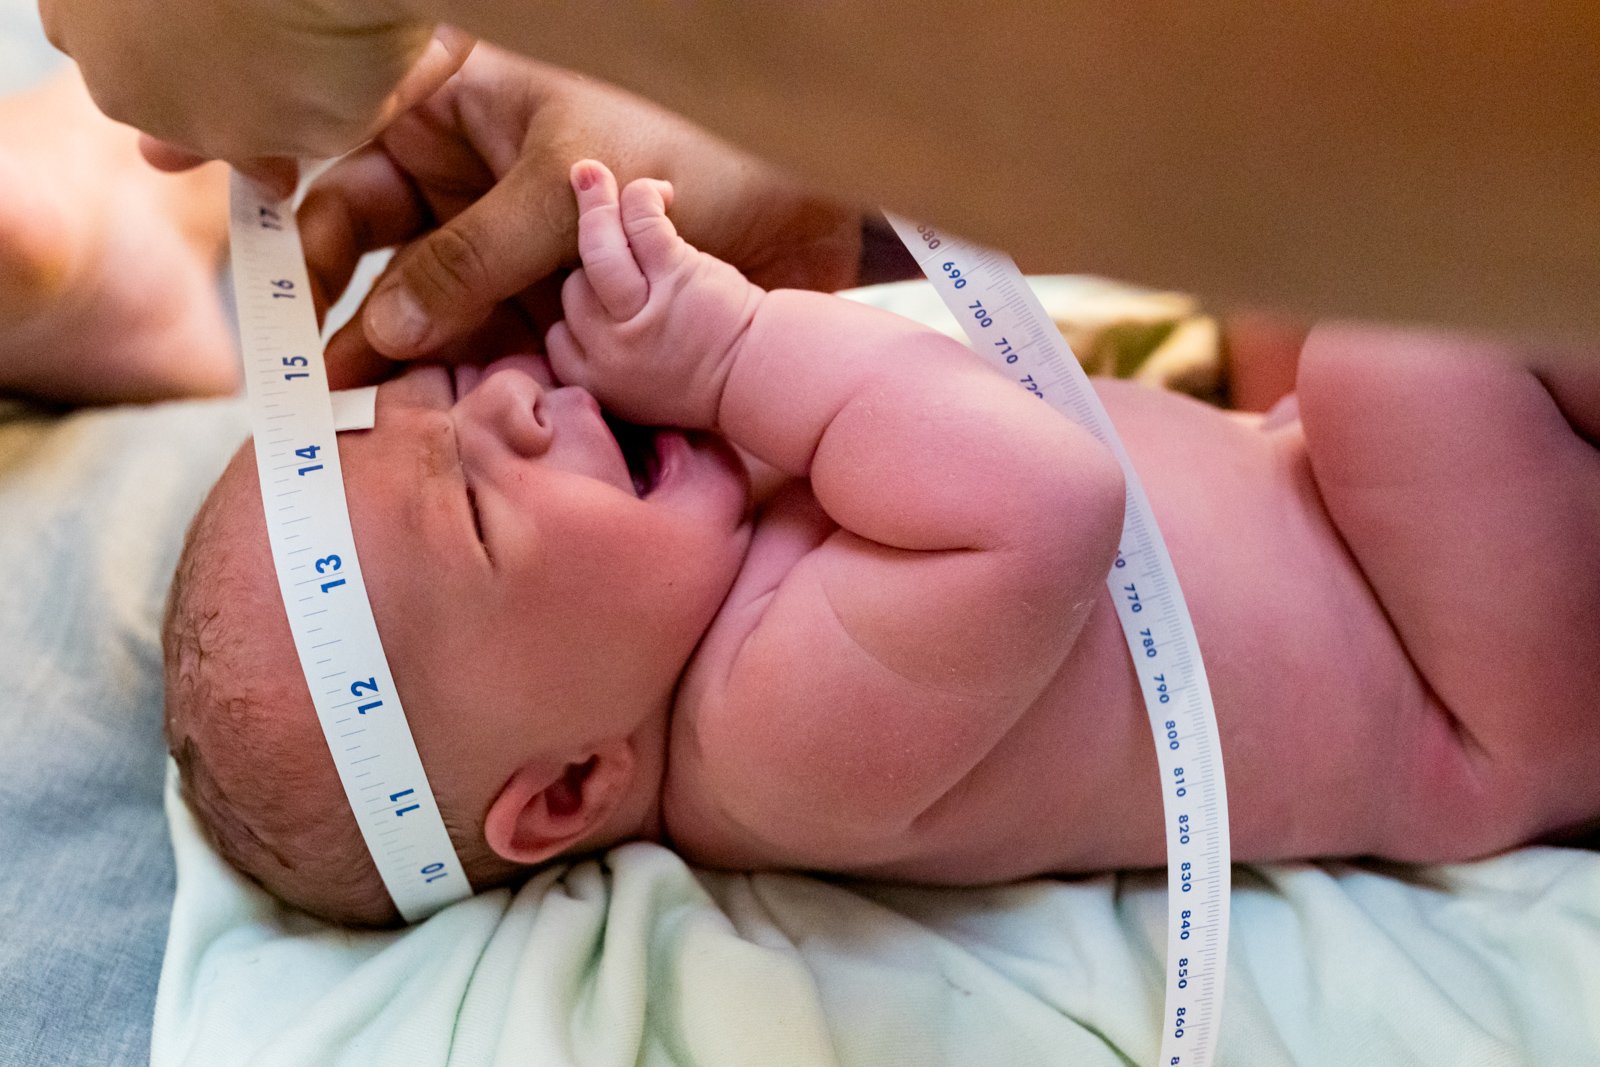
(652, 325)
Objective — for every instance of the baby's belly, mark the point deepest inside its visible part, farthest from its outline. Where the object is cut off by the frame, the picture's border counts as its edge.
(1332, 745)
(1075, 787)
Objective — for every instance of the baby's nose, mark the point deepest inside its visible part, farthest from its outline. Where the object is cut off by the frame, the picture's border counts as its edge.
(508, 403)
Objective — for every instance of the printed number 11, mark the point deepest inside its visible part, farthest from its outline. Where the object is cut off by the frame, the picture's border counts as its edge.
(394, 798)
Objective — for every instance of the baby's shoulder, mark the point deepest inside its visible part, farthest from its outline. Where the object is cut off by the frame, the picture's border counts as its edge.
(788, 526)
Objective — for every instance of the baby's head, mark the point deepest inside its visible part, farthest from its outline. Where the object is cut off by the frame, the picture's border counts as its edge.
(538, 589)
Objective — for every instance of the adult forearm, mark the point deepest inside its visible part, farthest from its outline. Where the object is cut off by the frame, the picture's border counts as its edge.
(1423, 161)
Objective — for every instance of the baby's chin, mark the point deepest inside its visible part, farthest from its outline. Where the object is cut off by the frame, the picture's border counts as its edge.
(701, 473)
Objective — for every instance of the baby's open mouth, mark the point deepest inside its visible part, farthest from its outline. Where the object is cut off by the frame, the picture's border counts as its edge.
(638, 445)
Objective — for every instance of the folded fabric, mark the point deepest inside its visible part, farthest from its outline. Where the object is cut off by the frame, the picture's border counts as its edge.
(1163, 339)
(636, 958)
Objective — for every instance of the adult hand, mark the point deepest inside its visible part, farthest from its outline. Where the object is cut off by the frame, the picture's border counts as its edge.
(476, 176)
(251, 81)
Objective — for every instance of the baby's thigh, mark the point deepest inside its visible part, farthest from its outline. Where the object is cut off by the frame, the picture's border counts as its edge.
(1465, 487)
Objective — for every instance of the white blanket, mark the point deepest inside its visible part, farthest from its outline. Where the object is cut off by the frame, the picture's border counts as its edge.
(639, 959)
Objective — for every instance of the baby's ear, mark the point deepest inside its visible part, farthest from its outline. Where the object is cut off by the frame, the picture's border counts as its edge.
(545, 809)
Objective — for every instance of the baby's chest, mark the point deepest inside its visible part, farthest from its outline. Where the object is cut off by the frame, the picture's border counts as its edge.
(1053, 795)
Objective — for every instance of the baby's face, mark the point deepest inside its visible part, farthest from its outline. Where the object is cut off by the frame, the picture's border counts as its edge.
(527, 571)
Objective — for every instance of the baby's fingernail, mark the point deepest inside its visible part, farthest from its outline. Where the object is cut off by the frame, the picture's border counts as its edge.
(396, 321)
(583, 176)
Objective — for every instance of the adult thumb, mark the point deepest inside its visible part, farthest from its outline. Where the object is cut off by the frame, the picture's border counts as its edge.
(443, 285)
(444, 54)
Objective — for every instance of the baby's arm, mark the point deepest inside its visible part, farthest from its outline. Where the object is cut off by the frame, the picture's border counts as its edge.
(976, 524)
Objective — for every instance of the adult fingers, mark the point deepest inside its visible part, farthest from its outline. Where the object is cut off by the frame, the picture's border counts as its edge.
(351, 361)
(362, 203)
(278, 173)
(445, 283)
(164, 155)
(443, 56)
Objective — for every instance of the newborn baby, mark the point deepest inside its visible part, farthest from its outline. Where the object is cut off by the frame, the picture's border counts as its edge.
(901, 661)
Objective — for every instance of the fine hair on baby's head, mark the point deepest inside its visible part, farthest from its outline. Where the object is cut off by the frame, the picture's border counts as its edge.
(253, 763)
(537, 599)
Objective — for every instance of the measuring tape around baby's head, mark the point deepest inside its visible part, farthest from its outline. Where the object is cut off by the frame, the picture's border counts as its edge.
(313, 551)
(1010, 330)
(319, 575)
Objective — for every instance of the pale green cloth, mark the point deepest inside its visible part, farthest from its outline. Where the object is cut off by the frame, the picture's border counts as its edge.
(640, 959)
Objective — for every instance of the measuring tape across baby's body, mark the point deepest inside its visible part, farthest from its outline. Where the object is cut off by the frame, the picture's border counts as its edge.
(1010, 330)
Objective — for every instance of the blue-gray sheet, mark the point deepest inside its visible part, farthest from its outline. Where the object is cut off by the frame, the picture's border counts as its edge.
(86, 873)
(92, 507)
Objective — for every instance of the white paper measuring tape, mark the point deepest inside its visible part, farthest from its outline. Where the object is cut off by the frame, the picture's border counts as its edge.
(314, 553)
(1010, 329)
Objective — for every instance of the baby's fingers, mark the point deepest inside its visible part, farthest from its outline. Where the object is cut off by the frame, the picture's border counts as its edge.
(654, 240)
(568, 361)
(618, 283)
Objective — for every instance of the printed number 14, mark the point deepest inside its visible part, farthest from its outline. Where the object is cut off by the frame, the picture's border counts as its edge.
(309, 452)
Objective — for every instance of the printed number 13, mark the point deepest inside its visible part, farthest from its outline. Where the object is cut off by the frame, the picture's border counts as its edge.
(326, 565)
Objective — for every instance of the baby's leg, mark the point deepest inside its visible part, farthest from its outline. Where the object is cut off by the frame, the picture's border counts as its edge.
(107, 266)
(1464, 476)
